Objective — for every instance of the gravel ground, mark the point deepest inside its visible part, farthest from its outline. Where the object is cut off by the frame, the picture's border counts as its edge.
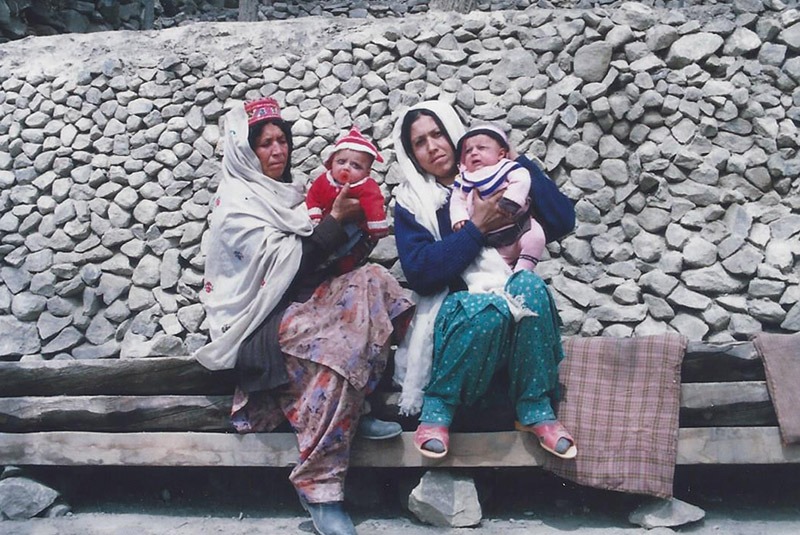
(738, 500)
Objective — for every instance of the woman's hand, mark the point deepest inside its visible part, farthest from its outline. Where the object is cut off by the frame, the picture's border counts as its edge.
(346, 209)
(487, 214)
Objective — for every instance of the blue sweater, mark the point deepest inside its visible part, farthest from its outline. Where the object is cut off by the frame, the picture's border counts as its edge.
(430, 265)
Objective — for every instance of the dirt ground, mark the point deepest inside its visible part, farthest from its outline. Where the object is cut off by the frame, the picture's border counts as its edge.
(739, 500)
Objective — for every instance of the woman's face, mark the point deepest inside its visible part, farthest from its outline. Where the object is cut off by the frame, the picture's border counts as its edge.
(272, 151)
(432, 149)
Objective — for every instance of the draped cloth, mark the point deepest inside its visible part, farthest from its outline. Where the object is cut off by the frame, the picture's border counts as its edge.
(254, 246)
(621, 398)
(422, 196)
(781, 356)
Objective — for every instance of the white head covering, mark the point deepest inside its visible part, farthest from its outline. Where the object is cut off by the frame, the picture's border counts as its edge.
(422, 195)
(254, 249)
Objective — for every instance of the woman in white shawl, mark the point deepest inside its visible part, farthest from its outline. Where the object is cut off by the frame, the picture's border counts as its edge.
(306, 346)
(478, 331)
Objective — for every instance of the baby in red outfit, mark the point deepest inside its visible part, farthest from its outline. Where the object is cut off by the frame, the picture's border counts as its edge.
(351, 163)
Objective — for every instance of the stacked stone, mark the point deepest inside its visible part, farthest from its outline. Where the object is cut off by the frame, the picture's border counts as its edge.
(20, 18)
(676, 135)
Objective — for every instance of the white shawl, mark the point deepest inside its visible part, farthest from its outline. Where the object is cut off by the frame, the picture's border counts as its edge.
(254, 248)
(422, 195)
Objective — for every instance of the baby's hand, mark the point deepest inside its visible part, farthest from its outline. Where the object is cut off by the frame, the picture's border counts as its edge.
(346, 209)
(458, 226)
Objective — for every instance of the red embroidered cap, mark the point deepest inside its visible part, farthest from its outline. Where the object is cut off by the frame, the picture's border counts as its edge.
(262, 110)
(354, 141)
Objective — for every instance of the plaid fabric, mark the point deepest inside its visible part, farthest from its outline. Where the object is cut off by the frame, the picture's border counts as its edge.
(620, 402)
(781, 356)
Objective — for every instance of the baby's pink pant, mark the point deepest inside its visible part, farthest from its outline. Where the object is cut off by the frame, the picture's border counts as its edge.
(526, 252)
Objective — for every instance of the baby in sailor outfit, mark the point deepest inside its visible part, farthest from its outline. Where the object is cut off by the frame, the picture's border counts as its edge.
(485, 169)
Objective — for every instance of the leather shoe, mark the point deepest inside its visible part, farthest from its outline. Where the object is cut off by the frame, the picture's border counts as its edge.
(329, 518)
(371, 428)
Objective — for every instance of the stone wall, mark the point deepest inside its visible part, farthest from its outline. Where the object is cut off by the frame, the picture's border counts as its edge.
(673, 130)
(20, 18)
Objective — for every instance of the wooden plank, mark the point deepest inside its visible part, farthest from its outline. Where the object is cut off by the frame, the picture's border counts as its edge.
(734, 361)
(703, 362)
(731, 445)
(702, 405)
(116, 413)
(734, 445)
(143, 376)
(745, 403)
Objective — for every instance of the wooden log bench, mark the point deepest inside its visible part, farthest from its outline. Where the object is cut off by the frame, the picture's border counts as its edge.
(173, 412)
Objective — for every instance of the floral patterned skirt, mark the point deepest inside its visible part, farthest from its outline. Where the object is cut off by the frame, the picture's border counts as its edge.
(345, 326)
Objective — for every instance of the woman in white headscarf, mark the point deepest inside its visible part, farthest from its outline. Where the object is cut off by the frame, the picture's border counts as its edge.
(306, 346)
(477, 328)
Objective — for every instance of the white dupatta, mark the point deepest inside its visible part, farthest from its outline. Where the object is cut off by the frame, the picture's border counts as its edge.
(254, 247)
(422, 195)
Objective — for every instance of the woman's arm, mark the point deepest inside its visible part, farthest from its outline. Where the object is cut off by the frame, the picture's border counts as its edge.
(430, 265)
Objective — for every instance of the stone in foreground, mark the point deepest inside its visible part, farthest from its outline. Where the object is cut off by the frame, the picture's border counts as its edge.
(446, 500)
(665, 513)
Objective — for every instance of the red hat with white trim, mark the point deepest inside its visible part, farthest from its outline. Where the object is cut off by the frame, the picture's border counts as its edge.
(262, 109)
(354, 141)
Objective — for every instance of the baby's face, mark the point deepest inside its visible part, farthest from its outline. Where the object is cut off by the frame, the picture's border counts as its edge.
(349, 166)
(480, 151)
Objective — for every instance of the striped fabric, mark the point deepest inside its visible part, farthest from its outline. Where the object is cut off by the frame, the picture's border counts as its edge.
(781, 356)
(620, 401)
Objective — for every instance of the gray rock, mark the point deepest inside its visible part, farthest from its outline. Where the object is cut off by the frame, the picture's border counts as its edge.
(445, 500)
(712, 280)
(683, 297)
(66, 339)
(690, 326)
(693, 48)
(698, 252)
(766, 311)
(135, 346)
(744, 326)
(741, 42)
(612, 313)
(170, 269)
(49, 325)
(637, 16)
(100, 330)
(113, 286)
(147, 272)
(743, 262)
(17, 337)
(22, 498)
(580, 293)
(27, 306)
(791, 37)
(591, 61)
(665, 513)
(140, 298)
(15, 279)
(109, 349)
(792, 321)
(191, 316)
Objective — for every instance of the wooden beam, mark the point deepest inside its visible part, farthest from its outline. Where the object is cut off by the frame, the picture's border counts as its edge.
(732, 361)
(744, 403)
(734, 445)
(144, 376)
(730, 445)
(119, 414)
(703, 362)
(702, 405)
